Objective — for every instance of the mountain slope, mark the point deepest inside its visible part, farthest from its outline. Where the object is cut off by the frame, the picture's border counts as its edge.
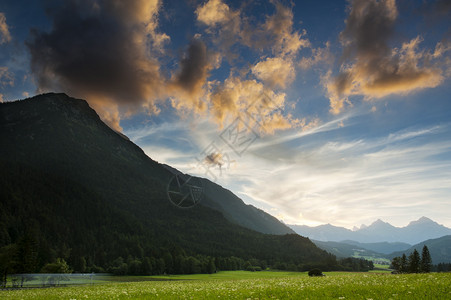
(324, 233)
(345, 250)
(440, 249)
(84, 192)
(103, 145)
(234, 209)
(423, 229)
(378, 231)
(381, 247)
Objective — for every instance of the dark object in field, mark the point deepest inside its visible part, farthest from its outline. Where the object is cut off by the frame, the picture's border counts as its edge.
(315, 272)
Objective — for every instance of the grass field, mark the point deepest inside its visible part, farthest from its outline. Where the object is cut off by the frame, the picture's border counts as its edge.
(379, 266)
(257, 285)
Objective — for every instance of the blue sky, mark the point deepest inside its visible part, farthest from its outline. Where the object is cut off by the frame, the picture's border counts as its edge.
(315, 111)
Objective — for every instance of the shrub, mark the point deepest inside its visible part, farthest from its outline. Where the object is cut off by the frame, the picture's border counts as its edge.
(315, 272)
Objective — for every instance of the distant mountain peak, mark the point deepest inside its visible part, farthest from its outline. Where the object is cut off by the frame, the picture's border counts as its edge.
(379, 231)
(379, 223)
(421, 221)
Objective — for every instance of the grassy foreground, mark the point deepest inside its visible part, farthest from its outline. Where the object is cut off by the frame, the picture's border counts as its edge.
(258, 285)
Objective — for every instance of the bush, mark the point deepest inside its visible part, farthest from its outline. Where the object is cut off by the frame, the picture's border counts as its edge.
(315, 272)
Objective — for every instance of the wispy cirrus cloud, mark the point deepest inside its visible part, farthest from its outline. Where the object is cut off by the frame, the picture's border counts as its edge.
(390, 177)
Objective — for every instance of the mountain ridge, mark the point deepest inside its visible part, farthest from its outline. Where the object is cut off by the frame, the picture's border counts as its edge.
(439, 248)
(84, 113)
(73, 188)
(379, 231)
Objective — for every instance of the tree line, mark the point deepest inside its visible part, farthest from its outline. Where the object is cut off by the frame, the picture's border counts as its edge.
(26, 256)
(442, 267)
(413, 263)
(47, 221)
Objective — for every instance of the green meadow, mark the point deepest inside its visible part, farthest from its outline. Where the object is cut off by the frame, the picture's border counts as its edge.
(255, 285)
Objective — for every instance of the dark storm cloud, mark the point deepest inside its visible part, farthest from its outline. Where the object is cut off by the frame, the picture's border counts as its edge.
(188, 85)
(372, 68)
(194, 67)
(98, 50)
(369, 25)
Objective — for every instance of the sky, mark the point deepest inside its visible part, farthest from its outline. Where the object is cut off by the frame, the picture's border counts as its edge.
(315, 111)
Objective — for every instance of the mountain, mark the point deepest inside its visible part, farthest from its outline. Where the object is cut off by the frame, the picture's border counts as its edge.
(324, 233)
(235, 210)
(423, 229)
(346, 250)
(381, 247)
(70, 187)
(379, 231)
(440, 249)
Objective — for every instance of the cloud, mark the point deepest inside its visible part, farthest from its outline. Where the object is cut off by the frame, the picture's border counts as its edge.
(233, 96)
(277, 34)
(214, 12)
(214, 159)
(223, 24)
(325, 179)
(193, 67)
(372, 68)
(6, 77)
(252, 101)
(259, 107)
(101, 51)
(229, 27)
(275, 71)
(110, 53)
(5, 35)
(188, 83)
(319, 56)
(278, 29)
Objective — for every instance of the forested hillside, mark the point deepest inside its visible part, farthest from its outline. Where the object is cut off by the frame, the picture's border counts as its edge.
(72, 188)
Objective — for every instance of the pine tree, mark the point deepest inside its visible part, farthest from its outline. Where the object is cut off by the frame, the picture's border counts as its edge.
(396, 264)
(404, 264)
(414, 262)
(211, 268)
(426, 260)
(27, 254)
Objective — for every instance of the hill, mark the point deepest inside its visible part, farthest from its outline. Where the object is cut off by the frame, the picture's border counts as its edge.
(73, 188)
(381, 247)
(346, 250)
(440, 249)
(379, 231)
